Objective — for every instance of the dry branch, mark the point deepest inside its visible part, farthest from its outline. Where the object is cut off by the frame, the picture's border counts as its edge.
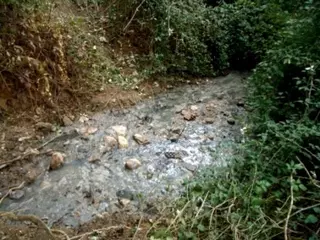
(60, 232)
(134, 14)
(31, 218)
(286, 237)
(98, 230)
(10, 190)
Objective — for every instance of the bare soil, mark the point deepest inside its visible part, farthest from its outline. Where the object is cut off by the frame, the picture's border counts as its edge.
(120, 225)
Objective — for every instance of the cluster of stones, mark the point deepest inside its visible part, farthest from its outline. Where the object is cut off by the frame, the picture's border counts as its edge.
(119, 140)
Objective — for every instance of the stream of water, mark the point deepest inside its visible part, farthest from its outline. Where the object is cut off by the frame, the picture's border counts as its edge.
(178, 149)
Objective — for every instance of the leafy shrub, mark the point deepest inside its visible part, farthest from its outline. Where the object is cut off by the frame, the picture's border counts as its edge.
(32, 59)
(20, 3)
(290, 72)
(172, 34)
(194, 38)
(245, 31)
(44, 61)
(182, 29)
(271, 189)
(286, 101)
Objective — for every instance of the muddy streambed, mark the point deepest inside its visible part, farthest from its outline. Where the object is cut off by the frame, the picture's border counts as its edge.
(184, 128)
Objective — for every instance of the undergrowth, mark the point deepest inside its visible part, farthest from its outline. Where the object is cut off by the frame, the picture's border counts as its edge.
(270, 190)
(54, 55)
(33, 61)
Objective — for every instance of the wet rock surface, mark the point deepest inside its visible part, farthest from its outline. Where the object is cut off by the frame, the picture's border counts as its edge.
(140, 139)
(16, 195)
(132, 164)
(178, 134)
(57, 160)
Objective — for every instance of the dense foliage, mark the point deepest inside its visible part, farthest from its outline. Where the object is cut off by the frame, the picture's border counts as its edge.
(194, 37)
(271, 189)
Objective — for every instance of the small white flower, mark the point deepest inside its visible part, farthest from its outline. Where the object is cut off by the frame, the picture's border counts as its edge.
(243, 130)
(170, 31)
(311, 68)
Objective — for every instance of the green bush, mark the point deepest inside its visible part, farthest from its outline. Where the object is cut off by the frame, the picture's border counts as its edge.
(246, 31)
(19, 3)
(182, 29)
(290, 72)
(270, 190)
(194, 38)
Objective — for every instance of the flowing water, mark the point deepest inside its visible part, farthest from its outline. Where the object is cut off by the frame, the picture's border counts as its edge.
(178, 149)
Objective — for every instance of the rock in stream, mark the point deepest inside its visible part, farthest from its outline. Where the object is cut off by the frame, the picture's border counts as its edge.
(177, 148)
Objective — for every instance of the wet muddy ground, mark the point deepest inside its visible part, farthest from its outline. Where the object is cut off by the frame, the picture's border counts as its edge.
(107, 166)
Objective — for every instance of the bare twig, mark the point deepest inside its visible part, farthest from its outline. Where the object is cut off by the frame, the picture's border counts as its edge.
(98, 230)
(137, 230)
(179, 215)
(31, 218)
(307, 171)
(26, 154)
(61, 232)
(309, 97)
(213, 210)
(229, 212)
(293, 214)
(297, 144)
(223, 232)
(134, 14)
(201, 207)
(305, 209)
(251, 189)
(290, 209)
(50, 141)
(254, 235)
(156, 222)
(316, 118)
(284, 204)
(29, 153)
(10, 190)
(7, 163)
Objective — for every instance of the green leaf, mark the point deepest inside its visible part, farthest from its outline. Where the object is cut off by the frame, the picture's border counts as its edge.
(311, 219)
(295, 187)
(257, 201)
(316, 210)
(189, 235)
(302, 187)
(201, 228)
